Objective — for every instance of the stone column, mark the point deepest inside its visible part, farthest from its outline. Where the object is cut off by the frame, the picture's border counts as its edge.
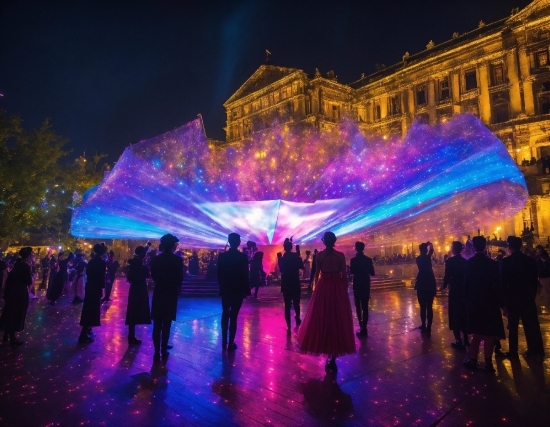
(404, 124)
(455, 91)
(525, 73)
(513, 82)
(431, 102)
(383, 106)
(410, 99)
(484, 97)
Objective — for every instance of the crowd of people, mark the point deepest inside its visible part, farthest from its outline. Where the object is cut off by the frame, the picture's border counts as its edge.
(481, 292)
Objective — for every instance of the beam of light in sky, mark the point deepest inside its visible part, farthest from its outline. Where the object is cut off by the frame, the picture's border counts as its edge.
(296, 181)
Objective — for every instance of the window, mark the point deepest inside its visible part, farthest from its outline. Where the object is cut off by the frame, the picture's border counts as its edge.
(498, 74)
(235, 113)
(394, 106)
(444, 92)
(542, 59)
(501, 112)
(545, 104)
(246, 109)
(470, 80)
(335, 112)
(247, 127)
(376, 110)
(276, 97)
(256, 105)
(265, 102)
(421, 95)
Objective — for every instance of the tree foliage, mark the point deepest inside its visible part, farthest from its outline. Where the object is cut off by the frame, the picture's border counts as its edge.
(38, 184)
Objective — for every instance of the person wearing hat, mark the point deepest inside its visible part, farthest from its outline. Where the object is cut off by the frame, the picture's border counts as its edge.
(328, 325)
(167, 273)
(483, 299)
(91, 309)
(79, 266)
(16, 296)
(290, 265)
(454, 280)
(112, 268)
(137, 311)
(520, 285)
(361, 267)
(233, 278)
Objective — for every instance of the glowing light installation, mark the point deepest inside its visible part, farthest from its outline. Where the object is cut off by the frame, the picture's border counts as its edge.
(444, 180)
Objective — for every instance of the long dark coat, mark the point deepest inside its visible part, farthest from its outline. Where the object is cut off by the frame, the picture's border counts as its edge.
(519, 279)
(425, 279)
(290, 265)
(59, 281)
(454, 277)
(137, 311)
(233, 274)
(167, 273)
(16, 295)
(361, 267)
(91, 309)
(483, 295)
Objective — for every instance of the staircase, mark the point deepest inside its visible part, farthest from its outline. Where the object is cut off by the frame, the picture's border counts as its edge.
(198, 286)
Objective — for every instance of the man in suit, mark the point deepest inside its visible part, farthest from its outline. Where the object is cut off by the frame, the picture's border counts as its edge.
(290, 265)
(520, 283)
(232, 272)
(167, 273)
(483, 297)
(361, 267)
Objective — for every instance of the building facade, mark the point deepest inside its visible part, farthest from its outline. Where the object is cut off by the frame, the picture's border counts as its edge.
(500, 72)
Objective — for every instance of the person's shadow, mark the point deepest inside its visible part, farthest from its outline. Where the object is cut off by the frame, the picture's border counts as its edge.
(324, 400)
(224, 387)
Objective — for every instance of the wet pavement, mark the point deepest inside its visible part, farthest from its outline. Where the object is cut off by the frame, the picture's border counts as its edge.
(397, 376)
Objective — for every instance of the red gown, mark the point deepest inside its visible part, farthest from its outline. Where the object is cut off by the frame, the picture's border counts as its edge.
(328, 325)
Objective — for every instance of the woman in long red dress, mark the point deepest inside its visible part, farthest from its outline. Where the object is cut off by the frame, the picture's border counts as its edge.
(328, 325)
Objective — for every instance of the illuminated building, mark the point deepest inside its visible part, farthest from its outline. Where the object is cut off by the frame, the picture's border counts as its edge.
(499, 72)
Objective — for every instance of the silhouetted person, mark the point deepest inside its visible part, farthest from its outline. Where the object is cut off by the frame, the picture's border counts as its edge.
(307, 266)
(112, 268)
(483, 295)
(91, 309)
(257, 274)
(194, 264)
(361, 267)
(57, 285)
(543, 267)
(425, 286)
(234, 287)
(454, 280)
(45, 264)
(290, 264)
(167, 273)
(78, 281)
(520, 283)
(137, 311)
(16, 296)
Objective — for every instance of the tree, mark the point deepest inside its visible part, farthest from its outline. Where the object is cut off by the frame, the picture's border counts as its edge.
(37, 183)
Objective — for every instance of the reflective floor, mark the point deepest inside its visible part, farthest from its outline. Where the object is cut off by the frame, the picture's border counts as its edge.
(397, 376)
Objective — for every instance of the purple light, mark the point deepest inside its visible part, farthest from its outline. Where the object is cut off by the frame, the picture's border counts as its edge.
(444, 180)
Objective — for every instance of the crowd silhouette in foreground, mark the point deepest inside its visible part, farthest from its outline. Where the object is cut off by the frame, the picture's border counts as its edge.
(481, 290)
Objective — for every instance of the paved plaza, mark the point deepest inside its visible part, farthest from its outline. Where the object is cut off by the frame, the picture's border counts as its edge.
(397, 377)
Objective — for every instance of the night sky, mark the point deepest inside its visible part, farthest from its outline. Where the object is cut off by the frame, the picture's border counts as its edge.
(113, 73)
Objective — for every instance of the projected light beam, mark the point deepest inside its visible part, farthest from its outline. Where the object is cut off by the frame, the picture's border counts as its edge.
(442, 180)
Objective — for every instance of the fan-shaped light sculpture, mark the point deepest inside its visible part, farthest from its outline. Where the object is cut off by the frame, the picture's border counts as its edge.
(448, 179)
